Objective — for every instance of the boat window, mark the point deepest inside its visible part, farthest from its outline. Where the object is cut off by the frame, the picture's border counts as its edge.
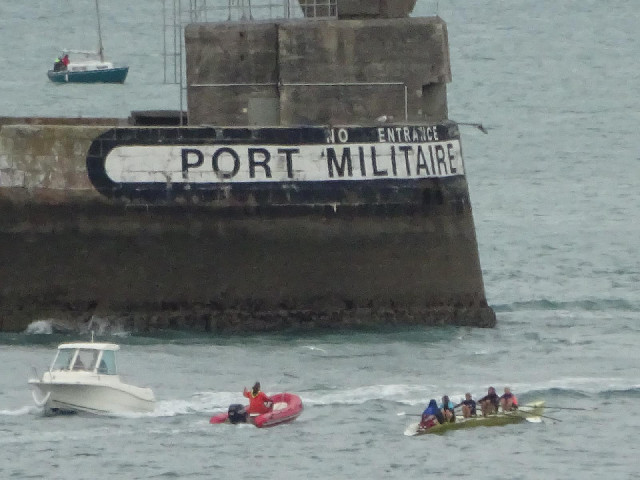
(108, 363)
(63, 359)
(85, 360)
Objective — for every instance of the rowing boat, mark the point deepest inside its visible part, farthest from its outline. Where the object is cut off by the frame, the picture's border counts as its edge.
(529, 412)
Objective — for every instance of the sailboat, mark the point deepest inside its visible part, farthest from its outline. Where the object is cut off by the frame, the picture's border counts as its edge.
(91, 68)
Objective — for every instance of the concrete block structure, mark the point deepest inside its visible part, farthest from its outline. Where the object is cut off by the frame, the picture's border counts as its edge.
(317, 72)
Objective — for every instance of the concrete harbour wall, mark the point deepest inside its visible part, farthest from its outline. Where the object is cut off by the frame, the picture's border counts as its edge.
(239, 263)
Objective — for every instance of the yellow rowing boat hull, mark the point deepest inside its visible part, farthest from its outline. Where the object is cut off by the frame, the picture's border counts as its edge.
(528, 412)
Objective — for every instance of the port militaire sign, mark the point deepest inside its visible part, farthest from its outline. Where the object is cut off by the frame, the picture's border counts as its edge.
(133, 159)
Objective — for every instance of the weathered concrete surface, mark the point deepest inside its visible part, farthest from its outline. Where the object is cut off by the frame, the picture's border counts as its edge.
(401, 56)
(177, 269)
(46, 163)
(325, 71)
(227, 66)
(68, 253)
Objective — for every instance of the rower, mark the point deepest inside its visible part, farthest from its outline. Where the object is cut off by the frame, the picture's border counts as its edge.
(431, 416)
(468, 406)
(447, 409)
(490, 402)
(508, 400)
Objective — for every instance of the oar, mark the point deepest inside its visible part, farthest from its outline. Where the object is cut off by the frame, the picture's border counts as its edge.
(569, 408)
(526, 415)
(545, 416)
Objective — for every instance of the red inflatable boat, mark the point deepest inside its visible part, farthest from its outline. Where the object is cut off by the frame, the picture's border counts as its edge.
(286, 408)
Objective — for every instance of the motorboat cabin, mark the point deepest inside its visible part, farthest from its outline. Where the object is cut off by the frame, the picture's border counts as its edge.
(83, 377)
(93, 357)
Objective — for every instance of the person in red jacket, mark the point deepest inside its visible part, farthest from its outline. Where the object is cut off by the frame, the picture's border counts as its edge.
(259, 402)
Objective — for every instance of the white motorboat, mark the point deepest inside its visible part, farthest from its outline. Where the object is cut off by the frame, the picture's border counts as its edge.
(83, 377)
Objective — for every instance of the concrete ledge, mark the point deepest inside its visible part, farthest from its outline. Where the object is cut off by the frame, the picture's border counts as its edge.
(204, 318)
(358, 8)
(77, 121)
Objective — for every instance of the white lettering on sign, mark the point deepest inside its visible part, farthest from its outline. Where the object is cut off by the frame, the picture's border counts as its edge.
(271, 163)
(407, 134)
(342, 135)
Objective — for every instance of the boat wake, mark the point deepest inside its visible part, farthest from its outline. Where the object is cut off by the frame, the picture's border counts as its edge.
(400, 397)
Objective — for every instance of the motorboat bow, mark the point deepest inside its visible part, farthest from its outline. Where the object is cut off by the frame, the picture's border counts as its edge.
(83, 377)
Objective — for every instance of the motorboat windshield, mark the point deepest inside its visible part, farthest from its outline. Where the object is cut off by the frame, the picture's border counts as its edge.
(63, 359)
(83, 358)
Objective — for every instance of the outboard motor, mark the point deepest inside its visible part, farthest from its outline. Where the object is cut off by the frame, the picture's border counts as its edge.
(237, 414)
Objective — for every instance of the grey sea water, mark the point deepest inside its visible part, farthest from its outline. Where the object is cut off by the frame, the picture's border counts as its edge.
(554, 187)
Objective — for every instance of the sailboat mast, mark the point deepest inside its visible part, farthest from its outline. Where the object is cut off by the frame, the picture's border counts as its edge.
(100, 49)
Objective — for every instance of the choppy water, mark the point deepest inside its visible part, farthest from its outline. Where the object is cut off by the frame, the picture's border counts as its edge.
(554, 188)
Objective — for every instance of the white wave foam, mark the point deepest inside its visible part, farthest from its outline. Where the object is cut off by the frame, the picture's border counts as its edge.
(20, 411)
(312, 348)
(39, 327)
(209, 403)
(105, 326)
(406, 394)
(205, 403)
